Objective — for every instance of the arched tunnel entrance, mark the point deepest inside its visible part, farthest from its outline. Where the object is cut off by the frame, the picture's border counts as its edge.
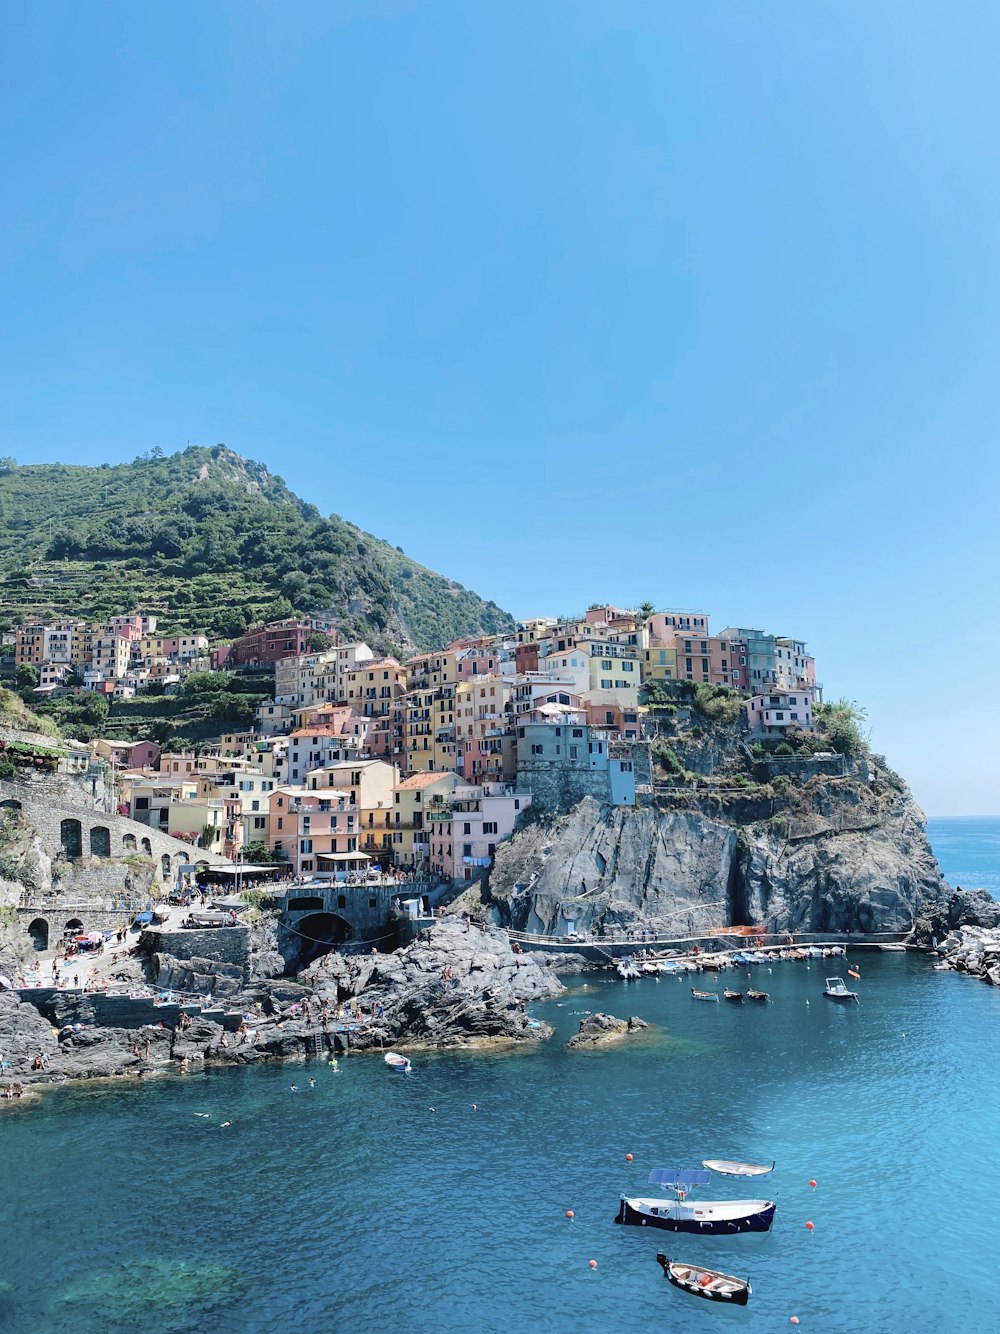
(317, 934)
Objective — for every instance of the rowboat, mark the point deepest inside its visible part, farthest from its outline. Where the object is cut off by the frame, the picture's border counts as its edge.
(726, 1168)
(757, 996)
(893, 949)
(710, 1283)
(735, 996)
(712, 1217)
(396, 1062)
(704, 995)
(836, 989)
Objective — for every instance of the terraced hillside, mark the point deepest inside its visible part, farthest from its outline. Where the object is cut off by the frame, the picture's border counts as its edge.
(211, 542)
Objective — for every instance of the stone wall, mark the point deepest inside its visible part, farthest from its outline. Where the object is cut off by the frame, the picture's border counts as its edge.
(51, 805)
(220, 944)
(558, 787)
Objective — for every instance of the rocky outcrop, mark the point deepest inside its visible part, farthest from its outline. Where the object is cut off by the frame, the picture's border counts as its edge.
(835, 855)
(604, 1030)
(974, 950)
(454, 986)
(964, 907)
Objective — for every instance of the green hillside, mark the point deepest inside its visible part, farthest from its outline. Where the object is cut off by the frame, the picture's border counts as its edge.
(209, 541)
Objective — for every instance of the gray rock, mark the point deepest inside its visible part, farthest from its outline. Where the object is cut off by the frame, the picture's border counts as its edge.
(602, 1030)
(844, 857)
(455, 986)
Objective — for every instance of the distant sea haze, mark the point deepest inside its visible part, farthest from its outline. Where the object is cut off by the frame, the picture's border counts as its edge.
(968, 851)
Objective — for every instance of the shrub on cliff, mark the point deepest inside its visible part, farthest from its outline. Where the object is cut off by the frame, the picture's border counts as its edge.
(841, 722)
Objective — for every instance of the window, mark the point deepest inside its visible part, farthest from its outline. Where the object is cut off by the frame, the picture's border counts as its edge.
(306, 845)
(489, 827)
(537, 750)
(467, 828)
(280, 823)
(606, 685)
(578, 731)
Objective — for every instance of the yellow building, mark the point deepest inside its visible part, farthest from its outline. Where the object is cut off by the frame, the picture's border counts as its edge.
(418, 730)
(414, 800)
(659, 662)
(373, 687)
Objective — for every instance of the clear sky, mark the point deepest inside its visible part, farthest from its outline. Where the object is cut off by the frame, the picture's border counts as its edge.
(574, 301)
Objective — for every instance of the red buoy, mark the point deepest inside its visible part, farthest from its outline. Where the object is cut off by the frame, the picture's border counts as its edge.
(812, 1183)
(628, 1157)
(570, 1214)
(592, 1263)
(794, 1319)
(810, 1226)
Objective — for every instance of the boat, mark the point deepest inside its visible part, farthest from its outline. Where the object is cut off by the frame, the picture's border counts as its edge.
(893, 949)
(628, 972)
(714, 965)
(712, 1217)
(735, 996)
(726, 1168)
(710, 1283)
(704, 995)
(836, 989)
(757, 995)
(397, 1062)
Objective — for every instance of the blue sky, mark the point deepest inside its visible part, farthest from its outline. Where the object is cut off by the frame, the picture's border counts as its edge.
(578, 301)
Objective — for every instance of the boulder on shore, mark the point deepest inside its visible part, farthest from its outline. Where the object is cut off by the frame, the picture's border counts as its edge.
(601, 1030)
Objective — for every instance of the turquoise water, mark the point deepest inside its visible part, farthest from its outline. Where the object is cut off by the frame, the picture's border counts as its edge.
(968, 852)
(354, 1206)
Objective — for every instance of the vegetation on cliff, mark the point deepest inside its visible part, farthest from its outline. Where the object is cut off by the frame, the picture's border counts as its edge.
(211, 542)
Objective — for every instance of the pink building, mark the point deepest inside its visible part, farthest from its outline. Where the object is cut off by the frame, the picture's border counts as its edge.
(780, 711)
(316, 831)
(464, 838)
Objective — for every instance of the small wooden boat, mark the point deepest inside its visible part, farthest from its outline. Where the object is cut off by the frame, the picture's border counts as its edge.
(396, 1062)
(726, 1168)
(757, 995)
(704, 995)
(836, 989)
(735, 996)
(710, 1283)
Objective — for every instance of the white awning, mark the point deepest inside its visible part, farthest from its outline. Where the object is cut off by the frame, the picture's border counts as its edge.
(343, 857)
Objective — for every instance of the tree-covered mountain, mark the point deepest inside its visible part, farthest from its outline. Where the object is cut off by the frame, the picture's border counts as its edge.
(211, 542)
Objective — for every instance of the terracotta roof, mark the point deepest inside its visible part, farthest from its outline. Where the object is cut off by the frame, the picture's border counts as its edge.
(424, 780)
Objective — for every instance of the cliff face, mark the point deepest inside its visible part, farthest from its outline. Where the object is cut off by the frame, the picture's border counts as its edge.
(840, 855)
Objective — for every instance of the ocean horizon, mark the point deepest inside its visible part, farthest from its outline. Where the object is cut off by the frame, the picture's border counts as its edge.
(968, 850)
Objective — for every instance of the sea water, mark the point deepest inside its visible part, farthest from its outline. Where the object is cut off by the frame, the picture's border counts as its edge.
(968, 851)
(437, 1200)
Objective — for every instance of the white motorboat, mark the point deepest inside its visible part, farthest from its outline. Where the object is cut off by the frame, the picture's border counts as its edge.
(401, 1064)
(836, 989)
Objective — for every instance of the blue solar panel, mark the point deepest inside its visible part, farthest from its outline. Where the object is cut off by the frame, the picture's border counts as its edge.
(676, 1177)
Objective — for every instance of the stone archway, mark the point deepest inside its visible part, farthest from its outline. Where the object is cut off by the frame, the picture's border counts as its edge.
(317, 934)
(73, 927)
(147, 847)
(100, 841)
(128, 842)
(11, 805)
(165, 867)
(71, 838)
(38, 930)
(312, 903)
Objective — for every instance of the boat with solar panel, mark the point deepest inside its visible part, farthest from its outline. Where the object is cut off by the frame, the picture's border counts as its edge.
(682, 1214)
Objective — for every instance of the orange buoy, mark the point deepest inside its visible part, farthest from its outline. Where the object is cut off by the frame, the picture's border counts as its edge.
(628, 1157)
(592, 1263)
(810, 1226)
(812, 1183)
(570, 1214)
(794, 1319)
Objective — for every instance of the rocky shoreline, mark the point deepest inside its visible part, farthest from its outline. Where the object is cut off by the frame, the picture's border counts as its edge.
(974, 950)
(457, 986)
